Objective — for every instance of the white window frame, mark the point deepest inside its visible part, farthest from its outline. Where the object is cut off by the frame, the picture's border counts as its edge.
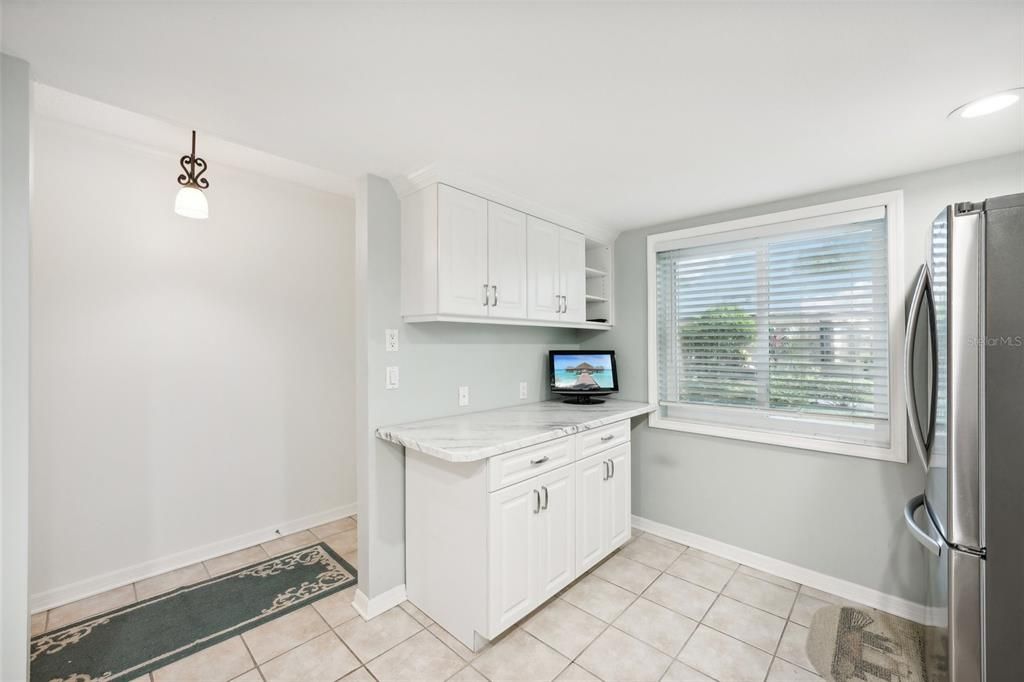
(892, 202)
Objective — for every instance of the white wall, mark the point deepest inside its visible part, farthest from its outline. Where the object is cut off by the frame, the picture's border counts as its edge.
(837, 515)
(15, 151)
(192, 380)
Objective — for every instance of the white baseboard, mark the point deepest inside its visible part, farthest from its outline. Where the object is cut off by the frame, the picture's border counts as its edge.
(58, 596)
(841, 588)
(372, 607)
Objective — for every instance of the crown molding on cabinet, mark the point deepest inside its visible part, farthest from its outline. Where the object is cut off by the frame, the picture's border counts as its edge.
(448, 175)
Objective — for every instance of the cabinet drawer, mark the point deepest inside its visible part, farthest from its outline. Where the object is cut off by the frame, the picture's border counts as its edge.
(598, 440)
(519, 465)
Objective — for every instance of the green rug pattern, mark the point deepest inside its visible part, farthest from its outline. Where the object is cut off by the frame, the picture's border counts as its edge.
(133, 640)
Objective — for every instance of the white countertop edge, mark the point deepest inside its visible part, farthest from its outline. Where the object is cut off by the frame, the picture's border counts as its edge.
(388, 433)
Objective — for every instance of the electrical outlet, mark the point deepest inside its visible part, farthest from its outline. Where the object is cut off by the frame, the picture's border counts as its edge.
(391, 378)
(391, 340)
(463, 396)
(522, 390)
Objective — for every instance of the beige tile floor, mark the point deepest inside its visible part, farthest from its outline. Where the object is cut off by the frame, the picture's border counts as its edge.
(655, 610)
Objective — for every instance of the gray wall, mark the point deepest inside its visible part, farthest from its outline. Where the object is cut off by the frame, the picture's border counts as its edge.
(830, 513)
(434, 360)
(15, 150)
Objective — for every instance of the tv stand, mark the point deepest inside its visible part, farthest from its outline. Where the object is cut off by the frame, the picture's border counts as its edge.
(583, 400)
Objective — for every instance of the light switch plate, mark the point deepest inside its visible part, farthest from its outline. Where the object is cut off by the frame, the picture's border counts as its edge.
(522, 390)
(391, 379)
(391, 340)
(463, 396)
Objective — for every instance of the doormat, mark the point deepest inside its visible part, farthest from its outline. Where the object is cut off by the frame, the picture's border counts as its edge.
(133, 640)
(848, 644)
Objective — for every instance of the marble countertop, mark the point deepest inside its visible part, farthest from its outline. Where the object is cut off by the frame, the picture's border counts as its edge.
(479, 435)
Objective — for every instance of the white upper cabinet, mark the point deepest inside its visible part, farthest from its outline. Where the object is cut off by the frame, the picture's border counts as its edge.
(468, 259)
(462, 228)
(572, 272)
(557, 272)
(506, 261)
(545, 289)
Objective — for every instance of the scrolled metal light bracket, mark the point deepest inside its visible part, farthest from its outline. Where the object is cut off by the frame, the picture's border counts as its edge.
(194, 168)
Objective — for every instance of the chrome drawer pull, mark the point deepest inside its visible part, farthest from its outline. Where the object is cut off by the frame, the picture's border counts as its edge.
(608, 437)
(612, 462)
(540, 460)
(536, 503)
(606, 471)
(545, 489)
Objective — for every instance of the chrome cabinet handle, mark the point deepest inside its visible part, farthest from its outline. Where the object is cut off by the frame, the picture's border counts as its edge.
(545, 489)
(922, 289)
(608, 437)
(540, 460)
(606, 471)
(565, 304)
(612, 462)
(486, 300)
(908, 516)
(536, 502)
(494, 292)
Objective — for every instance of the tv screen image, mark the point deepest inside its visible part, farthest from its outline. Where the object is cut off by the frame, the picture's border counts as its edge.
(581, 373)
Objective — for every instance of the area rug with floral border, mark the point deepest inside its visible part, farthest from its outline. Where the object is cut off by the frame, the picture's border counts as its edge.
(133, 640)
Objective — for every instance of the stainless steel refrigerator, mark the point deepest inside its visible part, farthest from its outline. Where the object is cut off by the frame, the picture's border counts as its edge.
(965, 404)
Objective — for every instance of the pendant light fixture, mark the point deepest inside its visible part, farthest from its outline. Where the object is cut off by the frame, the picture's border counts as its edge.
(191, 202)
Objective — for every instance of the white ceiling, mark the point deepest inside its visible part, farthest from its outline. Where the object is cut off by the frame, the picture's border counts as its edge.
(623, 114)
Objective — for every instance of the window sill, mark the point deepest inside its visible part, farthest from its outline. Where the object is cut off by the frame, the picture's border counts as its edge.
(895, 453)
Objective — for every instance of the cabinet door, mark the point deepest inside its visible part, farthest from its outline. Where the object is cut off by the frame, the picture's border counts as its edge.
(572, 268)
(591, 511)
(557, 551)
(543, 284)
(512, 548)
(506, 261)
(619, 512)
(461, 252)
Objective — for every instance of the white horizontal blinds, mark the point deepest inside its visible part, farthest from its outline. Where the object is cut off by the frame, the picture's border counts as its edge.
(828, 322)
(715, 292)
(784, 320)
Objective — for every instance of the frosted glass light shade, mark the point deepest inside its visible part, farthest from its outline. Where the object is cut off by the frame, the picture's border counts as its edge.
(191, 203)
(989, 105)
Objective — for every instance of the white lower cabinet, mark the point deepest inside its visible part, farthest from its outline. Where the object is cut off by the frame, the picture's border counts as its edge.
(602, 505)
(487, 542)
(531, 551)
(514, 553)
(556, 560)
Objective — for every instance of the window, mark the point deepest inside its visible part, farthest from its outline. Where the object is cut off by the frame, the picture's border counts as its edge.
(783, 329)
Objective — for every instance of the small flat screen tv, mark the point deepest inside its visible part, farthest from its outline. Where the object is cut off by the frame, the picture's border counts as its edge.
(583, 374)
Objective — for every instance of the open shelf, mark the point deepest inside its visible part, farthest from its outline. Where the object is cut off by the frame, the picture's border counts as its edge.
(599, 282)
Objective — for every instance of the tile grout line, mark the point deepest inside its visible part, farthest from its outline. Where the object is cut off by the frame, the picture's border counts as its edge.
(256, 666)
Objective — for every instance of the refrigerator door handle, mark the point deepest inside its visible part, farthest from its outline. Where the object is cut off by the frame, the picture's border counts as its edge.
(927, 541)
(922, 289)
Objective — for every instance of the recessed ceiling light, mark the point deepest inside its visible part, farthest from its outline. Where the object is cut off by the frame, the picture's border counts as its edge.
(989, 104)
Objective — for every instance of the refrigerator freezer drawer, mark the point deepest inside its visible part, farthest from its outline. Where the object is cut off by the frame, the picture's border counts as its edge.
(953, 636)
